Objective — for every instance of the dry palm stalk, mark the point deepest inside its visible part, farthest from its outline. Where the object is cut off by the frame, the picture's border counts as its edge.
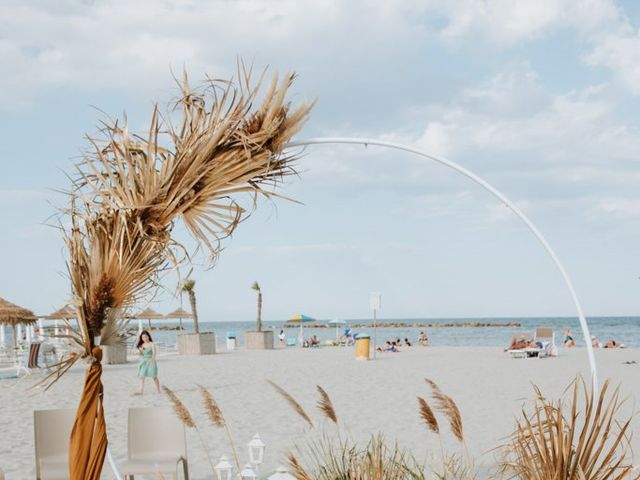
(217, 419)
(292, 402)
(326, 406)
(130, 190)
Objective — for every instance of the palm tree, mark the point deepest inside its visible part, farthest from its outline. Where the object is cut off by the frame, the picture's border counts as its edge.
(188, 286)
(255, 286)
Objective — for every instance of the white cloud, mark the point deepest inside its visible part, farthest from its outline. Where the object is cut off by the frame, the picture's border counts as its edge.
(620, 53)
(506, 22)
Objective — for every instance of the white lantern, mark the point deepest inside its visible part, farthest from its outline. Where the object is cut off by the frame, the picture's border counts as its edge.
(256, 450)
(247, 473)
(224, 468)
(282, 473)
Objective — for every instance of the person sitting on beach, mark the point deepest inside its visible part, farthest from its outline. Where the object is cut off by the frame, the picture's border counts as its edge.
(407, 342)
(611, 343)
(595, 343)
(423, 339)
(314, 341)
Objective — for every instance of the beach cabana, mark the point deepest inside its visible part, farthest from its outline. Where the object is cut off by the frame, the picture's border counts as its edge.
(180, 313)
(337, 322)
(301, 319)
(148, 314)
(14, 315)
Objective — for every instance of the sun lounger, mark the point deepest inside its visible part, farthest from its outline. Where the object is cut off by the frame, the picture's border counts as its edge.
(544, 337)
(156, 444)
(52, 429)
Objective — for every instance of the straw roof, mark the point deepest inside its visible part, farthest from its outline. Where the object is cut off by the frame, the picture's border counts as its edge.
(179, 313)
(63, 313)
(11, 314)
(148, 313)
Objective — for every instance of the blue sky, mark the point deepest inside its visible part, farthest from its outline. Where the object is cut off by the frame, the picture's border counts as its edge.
(540, 98)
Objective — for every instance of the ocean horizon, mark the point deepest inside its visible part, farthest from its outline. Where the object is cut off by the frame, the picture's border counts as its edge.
(443, 331)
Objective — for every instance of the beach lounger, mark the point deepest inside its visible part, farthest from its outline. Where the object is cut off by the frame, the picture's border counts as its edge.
(52, 429)
(156, 444)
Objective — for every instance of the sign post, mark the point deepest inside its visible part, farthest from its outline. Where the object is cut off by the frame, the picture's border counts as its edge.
(375, 300)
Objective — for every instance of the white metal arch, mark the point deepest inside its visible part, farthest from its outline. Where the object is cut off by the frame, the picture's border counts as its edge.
(484, 184)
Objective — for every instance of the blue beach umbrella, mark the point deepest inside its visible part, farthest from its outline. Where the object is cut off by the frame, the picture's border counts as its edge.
(337, 322)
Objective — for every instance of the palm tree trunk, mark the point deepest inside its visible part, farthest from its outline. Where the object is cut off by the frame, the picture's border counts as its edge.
(259, 321)
(192, 299)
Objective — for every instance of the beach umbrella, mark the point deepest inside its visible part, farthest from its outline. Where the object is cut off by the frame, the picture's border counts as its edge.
(64, 313)
(300, 318)
(179, 313)
(148, 314)
(13, 315)
(337, 322)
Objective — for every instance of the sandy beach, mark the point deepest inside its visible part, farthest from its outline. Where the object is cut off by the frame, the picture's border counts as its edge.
(489, 387)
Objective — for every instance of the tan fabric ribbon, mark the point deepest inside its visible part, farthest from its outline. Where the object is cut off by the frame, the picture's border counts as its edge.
(88, 443)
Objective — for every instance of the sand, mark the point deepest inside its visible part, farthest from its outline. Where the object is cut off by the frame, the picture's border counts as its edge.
(489, 387)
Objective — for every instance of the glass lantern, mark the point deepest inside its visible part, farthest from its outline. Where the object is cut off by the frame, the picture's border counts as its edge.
(223, 468)
(256, 450)
(247, 473)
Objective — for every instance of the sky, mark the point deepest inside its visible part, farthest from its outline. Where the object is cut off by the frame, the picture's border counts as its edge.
(541, 99)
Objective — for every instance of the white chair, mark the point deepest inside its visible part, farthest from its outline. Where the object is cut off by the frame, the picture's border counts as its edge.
(52, 429)
(156, 444)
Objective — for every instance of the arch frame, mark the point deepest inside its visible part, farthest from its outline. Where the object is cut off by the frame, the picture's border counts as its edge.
(584, 326)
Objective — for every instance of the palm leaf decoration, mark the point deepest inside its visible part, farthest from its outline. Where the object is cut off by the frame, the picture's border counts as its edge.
(223, 151)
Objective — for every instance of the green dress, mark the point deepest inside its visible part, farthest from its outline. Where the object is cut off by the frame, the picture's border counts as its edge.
(148, 367)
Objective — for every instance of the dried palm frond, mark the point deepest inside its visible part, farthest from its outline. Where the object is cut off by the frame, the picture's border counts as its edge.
(292, 402)
(583, 438)
(181, 410)
(427, 416)
(326, 406)
(131, 189)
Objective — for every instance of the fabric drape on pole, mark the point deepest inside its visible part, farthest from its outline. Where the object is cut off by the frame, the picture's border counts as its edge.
(88, 444)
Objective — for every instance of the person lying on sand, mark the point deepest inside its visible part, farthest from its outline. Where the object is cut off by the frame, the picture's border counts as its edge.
(611, 343)
(523, 343)
(388, 347)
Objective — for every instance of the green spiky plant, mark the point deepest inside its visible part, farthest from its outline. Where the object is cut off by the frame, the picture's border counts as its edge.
(189, 287)
(255, 286)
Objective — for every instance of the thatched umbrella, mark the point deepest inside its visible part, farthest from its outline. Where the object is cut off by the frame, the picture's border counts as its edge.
(180, 313)
(11, 314)
(148, 314)
(65, 313)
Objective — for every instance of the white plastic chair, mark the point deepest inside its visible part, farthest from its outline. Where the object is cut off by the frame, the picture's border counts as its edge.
(52, 429)
(156, 444)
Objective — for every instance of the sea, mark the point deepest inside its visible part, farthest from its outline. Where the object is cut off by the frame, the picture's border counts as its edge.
(494, 332)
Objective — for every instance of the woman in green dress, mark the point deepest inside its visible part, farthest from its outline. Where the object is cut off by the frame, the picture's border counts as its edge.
(148, 368)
